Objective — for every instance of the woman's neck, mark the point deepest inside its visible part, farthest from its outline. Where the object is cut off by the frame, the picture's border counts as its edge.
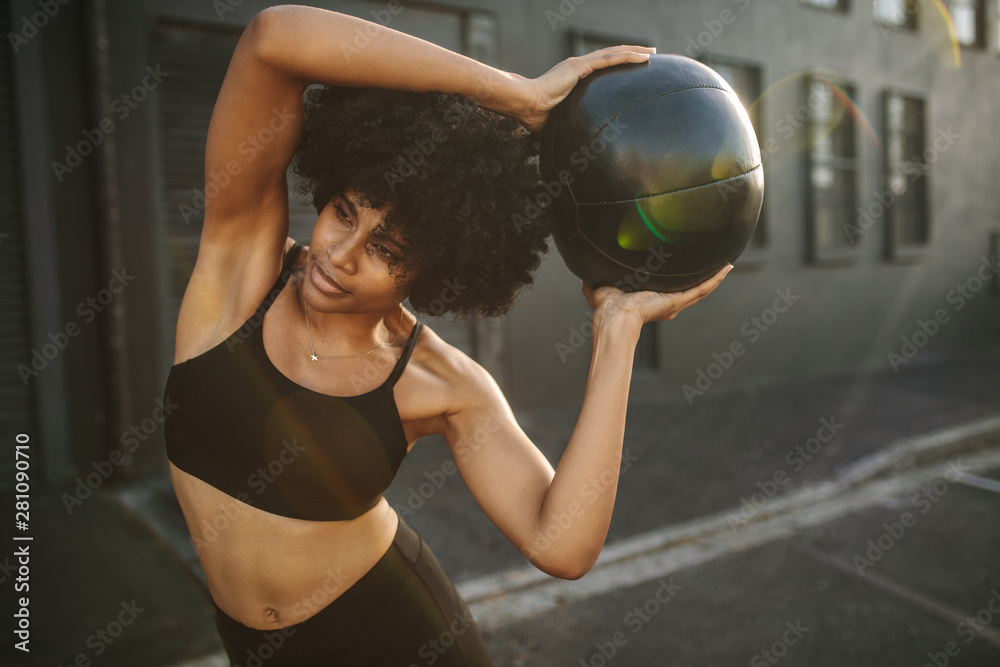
(346, 334)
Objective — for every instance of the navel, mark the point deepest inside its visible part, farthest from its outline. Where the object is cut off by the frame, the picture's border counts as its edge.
(271, 615)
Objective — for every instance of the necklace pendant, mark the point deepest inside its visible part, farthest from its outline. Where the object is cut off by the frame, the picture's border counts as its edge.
(314, 357)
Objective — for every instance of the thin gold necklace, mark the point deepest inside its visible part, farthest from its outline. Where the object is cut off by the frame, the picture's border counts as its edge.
(312, 352)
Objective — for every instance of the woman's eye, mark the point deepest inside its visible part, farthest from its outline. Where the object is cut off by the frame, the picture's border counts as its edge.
(384, 252)
(342, 214)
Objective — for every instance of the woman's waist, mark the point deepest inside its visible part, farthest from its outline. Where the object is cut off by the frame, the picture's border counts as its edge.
(269, 571)
(274, 580)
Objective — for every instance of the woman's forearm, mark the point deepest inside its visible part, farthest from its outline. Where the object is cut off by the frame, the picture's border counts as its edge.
(577, 509)
(315, 45)
(575, 513)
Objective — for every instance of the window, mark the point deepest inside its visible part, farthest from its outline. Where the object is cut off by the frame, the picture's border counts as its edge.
(905, 194)
(582, 43)
(897, 13)
(831, 169)
(833, 5)
(970, 21)
(745, 80)
(482, 41)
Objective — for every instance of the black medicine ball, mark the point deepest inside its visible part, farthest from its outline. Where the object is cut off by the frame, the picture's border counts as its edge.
(657, 172)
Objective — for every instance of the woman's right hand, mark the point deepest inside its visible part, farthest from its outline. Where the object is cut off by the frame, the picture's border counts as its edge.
(546, 91)
(646, 306)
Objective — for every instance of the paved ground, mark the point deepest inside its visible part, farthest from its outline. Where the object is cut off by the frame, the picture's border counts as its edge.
(822, 596)
(788, 585)
(694, 460)
(103, 586)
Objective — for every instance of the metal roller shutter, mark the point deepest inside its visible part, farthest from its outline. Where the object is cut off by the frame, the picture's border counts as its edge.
(19, 413)
(197, 58)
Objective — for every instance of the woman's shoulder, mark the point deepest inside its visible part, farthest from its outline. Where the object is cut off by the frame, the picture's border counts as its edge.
(445, 371)
(437, 358)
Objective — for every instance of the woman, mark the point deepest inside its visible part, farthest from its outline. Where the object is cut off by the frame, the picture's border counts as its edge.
(285, 438)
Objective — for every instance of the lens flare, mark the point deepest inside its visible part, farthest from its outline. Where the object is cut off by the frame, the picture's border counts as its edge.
(845, 104)
(950, 34)
(637, 232)
(803, 119)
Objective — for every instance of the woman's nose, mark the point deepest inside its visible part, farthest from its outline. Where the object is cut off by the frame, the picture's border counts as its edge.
(345, 252)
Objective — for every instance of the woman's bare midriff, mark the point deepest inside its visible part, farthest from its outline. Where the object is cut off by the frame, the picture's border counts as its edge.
(269, 571)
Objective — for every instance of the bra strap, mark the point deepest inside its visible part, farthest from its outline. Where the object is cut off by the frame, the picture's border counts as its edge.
(293, 254)
(405, 357)
(286, 271)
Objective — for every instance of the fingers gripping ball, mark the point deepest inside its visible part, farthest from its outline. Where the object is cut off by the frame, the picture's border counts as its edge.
(662, 174)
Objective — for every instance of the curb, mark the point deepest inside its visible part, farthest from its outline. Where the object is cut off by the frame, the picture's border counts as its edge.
(902, 455)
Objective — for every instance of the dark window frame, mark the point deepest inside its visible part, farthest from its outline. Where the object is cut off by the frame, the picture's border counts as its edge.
(996, 27)
(894, 250)
(979, 44)
(836, 254)
(911, 17)
(481, 36)
(576, 38)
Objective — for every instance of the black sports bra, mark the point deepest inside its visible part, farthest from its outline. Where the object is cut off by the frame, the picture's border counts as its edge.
(251, 432)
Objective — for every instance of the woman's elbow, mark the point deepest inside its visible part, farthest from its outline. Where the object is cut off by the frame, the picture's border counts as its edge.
(565, 568)
(275, 31)
(561, 556)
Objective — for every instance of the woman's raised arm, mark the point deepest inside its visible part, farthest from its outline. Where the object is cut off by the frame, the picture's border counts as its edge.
(255, 129)
(319, 46)
(312, 45)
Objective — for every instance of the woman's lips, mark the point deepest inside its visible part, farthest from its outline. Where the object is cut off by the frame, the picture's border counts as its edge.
(325, 283)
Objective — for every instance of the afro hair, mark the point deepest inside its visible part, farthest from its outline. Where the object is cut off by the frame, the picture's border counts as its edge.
(456, 180)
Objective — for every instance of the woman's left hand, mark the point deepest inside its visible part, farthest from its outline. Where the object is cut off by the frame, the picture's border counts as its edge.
(551, 88)
(649, 306)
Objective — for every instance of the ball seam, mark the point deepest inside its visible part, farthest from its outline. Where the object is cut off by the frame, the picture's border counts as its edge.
(671, 192)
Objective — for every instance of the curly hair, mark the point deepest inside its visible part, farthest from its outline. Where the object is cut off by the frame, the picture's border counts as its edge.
(455, 178)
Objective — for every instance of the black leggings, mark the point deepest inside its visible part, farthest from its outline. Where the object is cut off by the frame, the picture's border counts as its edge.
(404, 612)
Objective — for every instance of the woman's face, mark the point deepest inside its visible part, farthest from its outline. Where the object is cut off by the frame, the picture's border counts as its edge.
(347, 269)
